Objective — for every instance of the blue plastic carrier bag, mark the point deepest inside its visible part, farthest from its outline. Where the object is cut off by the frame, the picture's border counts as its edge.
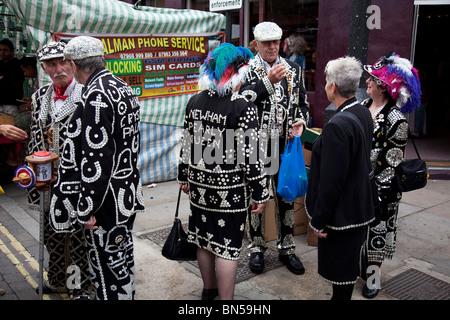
(292, 178)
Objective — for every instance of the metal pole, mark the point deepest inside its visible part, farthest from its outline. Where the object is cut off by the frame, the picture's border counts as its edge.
(414, 34)
(412, 56)
(358, 45)
(228, 27)
(41, 245)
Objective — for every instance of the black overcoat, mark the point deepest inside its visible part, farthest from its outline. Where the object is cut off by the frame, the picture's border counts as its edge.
(339, 190)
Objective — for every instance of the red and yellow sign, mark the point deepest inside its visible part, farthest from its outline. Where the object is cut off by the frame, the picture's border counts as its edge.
(155, 66)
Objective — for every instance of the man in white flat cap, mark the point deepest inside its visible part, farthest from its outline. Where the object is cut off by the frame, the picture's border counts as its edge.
(98, 180)
(276, 87)
(52, 106)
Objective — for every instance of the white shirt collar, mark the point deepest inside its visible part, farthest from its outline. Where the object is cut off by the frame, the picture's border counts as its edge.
(266, 65)
(59, 103)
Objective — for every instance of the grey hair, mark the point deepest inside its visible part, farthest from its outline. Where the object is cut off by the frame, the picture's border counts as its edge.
(345, 72)
(90, 64)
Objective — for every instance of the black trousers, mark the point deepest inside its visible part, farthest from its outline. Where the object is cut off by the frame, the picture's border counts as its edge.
(284, 221)
(111, 262)
(65, 250)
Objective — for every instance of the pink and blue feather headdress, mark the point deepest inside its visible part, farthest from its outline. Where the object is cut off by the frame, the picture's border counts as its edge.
(400, 79)
(224, 68)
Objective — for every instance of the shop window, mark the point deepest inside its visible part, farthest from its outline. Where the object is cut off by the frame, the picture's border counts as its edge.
(200, 5)
(297, 18)
(153, 3)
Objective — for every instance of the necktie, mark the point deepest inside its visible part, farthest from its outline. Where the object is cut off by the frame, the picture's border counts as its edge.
(59, 93)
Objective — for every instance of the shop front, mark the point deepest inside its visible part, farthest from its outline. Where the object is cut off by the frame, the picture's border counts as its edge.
(366, 29)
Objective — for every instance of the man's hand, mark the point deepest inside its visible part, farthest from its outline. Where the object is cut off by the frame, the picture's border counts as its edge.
(277, 73)
(49, 135)
(91, 224)
(297, 129)
(12, 132)
(257, 207)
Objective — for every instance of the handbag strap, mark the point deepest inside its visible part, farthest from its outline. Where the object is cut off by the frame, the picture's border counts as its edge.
(409, 135)
(414, 144)
(178, 203)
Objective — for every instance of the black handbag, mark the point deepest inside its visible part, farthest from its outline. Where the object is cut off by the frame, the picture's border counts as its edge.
(176, 246)
(411, 174)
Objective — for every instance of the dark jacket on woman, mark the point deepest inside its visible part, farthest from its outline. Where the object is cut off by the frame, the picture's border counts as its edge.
(339, 190)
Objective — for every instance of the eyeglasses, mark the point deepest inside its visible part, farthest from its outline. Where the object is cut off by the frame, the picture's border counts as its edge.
(269, 43)
(377, 81)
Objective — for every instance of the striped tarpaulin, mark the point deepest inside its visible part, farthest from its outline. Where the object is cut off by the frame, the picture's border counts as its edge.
(161, 118)
(112, 16)
(159, 152)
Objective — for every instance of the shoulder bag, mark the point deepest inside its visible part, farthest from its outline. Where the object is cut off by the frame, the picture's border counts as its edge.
(176, 246)
(411, 174)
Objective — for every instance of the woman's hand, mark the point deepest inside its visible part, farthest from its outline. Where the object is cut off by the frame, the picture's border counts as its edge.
(184, 187)
(320, 234)
(257, 208)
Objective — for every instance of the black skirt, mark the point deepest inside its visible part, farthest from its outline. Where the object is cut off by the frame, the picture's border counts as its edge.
(339, 254)
(218, 232)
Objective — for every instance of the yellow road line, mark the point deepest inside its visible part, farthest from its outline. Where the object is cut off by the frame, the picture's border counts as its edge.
(19, 265)
(26, 275)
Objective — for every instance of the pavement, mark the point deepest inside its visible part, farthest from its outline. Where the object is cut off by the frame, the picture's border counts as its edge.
(423, 246)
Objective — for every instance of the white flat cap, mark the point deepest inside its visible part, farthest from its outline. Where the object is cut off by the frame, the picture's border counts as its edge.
(267, 31)
(83, 47)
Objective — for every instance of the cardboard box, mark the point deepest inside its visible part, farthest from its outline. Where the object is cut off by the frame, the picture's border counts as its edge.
(306, 155)
(311, 238)
(300, 219)
(308, 137)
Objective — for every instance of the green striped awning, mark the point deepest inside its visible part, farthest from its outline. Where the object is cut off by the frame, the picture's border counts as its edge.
(112, 16)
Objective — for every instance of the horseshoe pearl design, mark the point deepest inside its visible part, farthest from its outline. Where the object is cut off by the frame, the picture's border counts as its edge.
(99, 145)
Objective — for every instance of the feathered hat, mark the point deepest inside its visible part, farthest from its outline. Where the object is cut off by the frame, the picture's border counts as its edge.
(224, 68)
(400, 79)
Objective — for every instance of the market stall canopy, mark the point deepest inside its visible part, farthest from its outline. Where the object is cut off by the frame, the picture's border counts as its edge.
(161, 117)
(110, 16)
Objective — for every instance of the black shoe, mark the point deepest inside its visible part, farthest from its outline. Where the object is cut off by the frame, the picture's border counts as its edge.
(209, 294)
(48, 289)
(45, 289)
(256, 262)
(370, 293)
(292, 262)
